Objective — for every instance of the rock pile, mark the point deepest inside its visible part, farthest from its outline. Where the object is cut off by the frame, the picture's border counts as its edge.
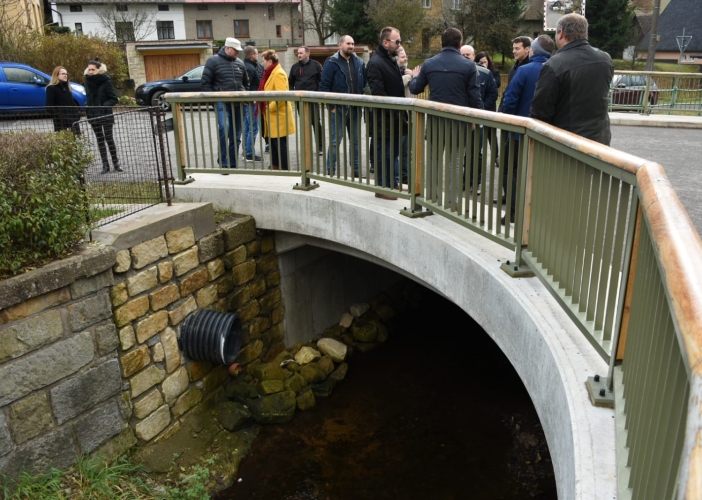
(270, 393)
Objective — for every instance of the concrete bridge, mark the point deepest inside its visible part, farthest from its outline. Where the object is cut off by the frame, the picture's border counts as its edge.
(618, 292)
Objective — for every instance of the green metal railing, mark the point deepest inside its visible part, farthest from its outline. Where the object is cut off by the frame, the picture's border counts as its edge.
(603, 230)
(657, 92)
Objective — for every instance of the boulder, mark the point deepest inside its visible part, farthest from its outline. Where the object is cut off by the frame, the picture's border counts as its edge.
(307, 355)
(325, 388)
(364, 331)
(313, 373)
(295, 383)
(306, 400)
(233, 416)
(385, 312)
(359, 310)
(274, 409)
(240, 392)
(269, 371)
(270, 387)
(346, 320)
(333, 348)
(326, 364)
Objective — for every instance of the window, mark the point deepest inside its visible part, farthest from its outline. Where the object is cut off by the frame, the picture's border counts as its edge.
(163, 7)
(79, 28)
(278, 30)
(204, 29)
(124, 31)
(76, 8)
(271, 12)
(299, 29)
(202, 6)
(122, 7)
(164, 30)
(426, 4)
(19, 75)
(241, 29)
(456, 4)
(239, 6)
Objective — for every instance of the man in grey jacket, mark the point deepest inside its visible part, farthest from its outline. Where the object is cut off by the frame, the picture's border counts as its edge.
(224, 72)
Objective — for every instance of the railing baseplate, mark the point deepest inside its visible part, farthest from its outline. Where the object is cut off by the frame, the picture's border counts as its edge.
(516, 271)
(187, 180)
(598, 392)
(415, 214)
(308, 187)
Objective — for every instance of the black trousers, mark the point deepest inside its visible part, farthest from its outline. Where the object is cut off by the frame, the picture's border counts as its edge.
(505, 175)
(279, 152)
(105, 140)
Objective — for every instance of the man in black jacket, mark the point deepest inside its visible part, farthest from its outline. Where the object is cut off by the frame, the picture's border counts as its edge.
(254, 70)
(387, 127)
(572, 91)
(306, 74)
(224, 72)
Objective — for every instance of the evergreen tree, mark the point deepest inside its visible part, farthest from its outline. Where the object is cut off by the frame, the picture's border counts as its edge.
(348, 17)
(611, 25)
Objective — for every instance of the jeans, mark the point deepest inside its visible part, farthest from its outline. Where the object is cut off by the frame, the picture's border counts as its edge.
(467, 160)
(229, 126)
(351, 118)
(383, 161)
(250, 121)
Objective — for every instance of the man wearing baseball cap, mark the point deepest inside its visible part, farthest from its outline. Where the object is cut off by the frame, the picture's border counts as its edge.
(225, 73)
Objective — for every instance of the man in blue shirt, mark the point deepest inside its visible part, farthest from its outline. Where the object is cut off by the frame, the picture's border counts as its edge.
(517, 100)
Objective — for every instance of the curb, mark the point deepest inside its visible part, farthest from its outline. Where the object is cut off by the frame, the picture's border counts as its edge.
(660, 121)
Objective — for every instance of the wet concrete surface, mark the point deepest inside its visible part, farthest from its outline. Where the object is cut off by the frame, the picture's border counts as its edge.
(437, 412)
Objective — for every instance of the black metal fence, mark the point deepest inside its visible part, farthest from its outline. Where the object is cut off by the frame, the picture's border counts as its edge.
(131, 167)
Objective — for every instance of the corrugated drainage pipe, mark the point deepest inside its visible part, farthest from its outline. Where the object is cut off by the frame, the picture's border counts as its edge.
(211, 336)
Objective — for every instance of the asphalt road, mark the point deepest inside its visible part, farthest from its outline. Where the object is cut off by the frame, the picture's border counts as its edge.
(678, 150)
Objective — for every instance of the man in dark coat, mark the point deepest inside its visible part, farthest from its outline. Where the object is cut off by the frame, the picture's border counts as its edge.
(345, 73)
(573, 87)
(254, 71)
(387, 127)
(224, 72)
(306, 74)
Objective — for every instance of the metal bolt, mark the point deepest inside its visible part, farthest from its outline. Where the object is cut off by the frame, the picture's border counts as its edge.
(602, 392)
(405, 208)
(597, 378)
(297, 183)
(508, 263)
(516, 268)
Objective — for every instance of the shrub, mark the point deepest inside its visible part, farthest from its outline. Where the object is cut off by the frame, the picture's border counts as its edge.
(43, 206)
(45, 52)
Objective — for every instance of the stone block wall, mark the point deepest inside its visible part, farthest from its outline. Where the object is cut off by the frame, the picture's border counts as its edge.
(89, 358)
(158, 283)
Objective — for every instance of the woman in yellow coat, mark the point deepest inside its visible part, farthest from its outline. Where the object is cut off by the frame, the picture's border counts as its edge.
(278, 118)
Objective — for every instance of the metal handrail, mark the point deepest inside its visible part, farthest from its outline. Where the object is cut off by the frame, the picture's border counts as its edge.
(602, 229)
(663, 93)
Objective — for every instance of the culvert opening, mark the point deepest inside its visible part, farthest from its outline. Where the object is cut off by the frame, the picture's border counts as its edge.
(435, 412)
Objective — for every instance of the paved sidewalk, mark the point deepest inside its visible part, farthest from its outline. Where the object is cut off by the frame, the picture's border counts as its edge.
(660, 121)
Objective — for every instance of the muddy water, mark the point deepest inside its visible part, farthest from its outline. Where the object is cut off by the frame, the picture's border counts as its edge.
(436, 412)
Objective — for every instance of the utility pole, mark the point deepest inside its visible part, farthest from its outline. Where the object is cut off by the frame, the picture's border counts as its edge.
(654, 35)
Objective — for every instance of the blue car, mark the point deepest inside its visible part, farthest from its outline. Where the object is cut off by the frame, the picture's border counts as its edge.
(22, 86)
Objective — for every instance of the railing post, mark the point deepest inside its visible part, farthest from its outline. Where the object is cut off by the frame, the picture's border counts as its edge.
(416, 154)
(646, 94)
(179, 144)
(306, 139)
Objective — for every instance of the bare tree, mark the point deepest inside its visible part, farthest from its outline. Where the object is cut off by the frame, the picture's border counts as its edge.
(127, 22)
(316, 18)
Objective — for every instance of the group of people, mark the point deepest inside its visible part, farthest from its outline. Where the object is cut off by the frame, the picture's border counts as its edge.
(101, 99)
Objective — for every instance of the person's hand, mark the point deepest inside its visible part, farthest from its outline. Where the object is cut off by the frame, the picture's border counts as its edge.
(415, 71)
(408, 71)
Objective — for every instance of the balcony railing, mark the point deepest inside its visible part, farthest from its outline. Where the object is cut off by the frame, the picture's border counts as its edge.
(603, 230)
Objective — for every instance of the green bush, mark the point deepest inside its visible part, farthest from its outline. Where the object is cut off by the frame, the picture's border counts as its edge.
(43, 206)
(45, 52)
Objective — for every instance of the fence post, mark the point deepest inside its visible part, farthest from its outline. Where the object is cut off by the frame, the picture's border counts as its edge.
(179, 144)
(306, 140)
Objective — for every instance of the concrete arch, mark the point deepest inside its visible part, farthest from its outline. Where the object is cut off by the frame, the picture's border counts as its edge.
(548, 352)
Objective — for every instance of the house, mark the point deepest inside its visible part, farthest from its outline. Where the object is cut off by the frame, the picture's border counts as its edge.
(163, 39)
(678, 14)
(21, 14)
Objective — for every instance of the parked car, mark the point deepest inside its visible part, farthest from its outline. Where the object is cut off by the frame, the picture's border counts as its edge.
(629, 90)
(22, 86)
(151, 93)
